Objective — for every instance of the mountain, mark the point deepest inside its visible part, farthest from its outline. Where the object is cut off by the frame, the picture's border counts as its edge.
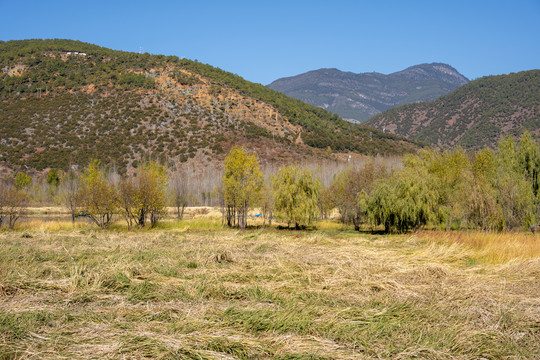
(475, 115)
(63, 102)
(357, 97)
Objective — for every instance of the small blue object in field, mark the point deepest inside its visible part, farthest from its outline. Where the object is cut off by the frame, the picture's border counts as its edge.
(258, 215)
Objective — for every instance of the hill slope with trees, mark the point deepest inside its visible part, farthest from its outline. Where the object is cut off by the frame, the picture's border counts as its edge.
(64, 102)
(357, 97)
(476, 115)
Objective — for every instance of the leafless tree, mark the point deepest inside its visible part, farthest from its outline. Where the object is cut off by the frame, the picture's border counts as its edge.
(69, 190)
(13, 204)
(178, 190)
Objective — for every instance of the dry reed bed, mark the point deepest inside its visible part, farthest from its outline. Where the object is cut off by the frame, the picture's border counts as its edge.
(182, 293)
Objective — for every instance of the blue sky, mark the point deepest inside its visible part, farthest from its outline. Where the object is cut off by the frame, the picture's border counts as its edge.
(265, 40)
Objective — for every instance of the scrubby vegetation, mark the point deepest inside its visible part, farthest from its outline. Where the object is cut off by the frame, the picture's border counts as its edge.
(474, 116)
(60, 107)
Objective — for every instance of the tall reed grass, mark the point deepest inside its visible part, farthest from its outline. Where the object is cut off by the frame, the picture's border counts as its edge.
(488, 246)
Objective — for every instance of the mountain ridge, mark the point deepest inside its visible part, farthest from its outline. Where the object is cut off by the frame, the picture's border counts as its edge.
(358, 96)
(475, 115)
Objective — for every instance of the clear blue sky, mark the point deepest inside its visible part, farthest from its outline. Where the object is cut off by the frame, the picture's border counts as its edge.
(265, 40)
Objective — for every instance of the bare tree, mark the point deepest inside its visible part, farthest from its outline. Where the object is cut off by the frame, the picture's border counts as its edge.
(13, 204)
(69, 190)
(267, 203)
(178, 189)
(127, 195)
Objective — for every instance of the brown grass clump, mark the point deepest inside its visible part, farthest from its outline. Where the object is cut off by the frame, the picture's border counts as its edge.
(182, 292)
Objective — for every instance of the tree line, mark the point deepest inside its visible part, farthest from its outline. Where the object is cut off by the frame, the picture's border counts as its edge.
(488, 190)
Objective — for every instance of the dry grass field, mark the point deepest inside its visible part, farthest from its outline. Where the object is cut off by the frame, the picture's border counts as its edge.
(195, 290)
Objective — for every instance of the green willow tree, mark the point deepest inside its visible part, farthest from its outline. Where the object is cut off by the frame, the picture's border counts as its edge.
(480, 203)
(296, 196)
(22, 181)
(446, 170)
(528, 160)
(515, 190)
(407, 200)
(242, 185)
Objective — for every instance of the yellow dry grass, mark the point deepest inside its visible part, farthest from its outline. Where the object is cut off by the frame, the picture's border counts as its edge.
(192, 289)
(489, 247)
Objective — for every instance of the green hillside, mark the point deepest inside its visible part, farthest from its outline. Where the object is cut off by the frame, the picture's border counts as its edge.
(64, 102)
(477, 114)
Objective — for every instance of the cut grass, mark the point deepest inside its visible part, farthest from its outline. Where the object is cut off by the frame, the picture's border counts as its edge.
(183, 292)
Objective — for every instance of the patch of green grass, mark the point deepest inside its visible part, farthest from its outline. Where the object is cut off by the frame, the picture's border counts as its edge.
(15, 326)
(297, 320)
(169, 270)
(116, 281)
(144, 291)
(301, 356)
(234, 348)
(471, 261)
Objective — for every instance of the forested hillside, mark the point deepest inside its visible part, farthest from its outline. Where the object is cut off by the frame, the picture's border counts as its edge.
(475, 115)
(64, 102)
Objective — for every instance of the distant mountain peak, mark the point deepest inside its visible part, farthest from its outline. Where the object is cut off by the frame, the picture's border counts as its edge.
(357, 97)
(438, 71)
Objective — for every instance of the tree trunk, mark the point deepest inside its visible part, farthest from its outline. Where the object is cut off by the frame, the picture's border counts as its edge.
(243, 218)
(229, 215)
(141, 218)
(356, 222)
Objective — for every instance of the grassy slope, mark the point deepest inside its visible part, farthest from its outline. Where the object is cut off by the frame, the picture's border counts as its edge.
(184, 292)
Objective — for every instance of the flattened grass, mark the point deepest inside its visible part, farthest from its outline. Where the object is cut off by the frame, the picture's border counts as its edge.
(183, 292)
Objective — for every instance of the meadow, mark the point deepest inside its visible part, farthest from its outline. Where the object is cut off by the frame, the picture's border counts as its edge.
(192, 289)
